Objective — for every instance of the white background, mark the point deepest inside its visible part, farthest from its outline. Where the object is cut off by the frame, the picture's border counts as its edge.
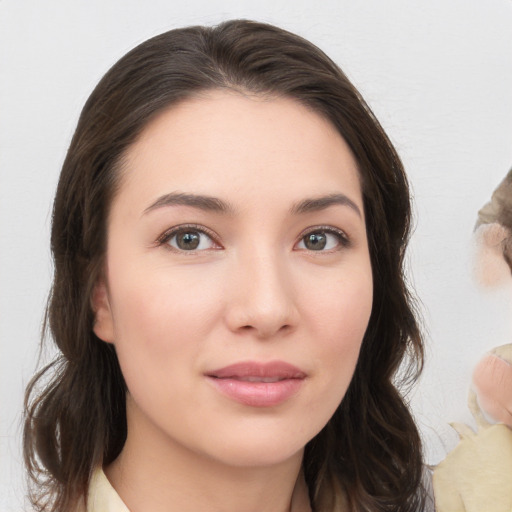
(437, 73)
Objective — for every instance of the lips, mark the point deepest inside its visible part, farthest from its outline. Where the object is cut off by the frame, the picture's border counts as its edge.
(258, 384)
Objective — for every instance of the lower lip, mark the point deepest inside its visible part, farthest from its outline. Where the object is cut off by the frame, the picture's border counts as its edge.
(258, 394)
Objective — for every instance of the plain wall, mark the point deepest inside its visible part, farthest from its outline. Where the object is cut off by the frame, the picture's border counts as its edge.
(438, 74)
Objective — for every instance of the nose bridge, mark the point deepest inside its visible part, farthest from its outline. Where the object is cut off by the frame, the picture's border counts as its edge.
(262, 298)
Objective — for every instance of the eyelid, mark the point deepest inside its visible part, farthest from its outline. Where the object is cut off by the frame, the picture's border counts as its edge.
(164, 238)
(344, 239)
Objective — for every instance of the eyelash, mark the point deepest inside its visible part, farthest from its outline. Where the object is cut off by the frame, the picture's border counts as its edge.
(163, 240)
(343, 240)
(168, 235)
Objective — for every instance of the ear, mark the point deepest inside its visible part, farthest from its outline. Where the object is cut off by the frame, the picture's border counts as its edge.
(103, 320)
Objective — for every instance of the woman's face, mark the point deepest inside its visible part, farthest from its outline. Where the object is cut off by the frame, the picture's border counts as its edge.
(238, 284)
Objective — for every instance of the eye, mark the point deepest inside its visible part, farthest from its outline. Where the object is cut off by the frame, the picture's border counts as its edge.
(323, 240)
(188, 238)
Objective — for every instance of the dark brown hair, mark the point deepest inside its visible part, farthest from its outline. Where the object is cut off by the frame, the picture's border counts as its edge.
(369, 454)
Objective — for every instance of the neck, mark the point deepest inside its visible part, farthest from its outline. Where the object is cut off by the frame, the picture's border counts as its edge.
(155, 474)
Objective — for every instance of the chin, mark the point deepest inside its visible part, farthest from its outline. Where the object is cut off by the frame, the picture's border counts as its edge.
(261, 446)
(258, 455)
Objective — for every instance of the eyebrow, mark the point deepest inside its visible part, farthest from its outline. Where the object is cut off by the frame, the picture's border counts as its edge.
(207, 203)
(214, 204)
(323, 202)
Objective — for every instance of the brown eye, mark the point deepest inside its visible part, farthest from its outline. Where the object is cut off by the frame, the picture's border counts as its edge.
(315, 241)
(323, 240)
(190, 240)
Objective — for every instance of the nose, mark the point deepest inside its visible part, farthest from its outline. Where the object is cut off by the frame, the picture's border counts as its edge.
(262, 300)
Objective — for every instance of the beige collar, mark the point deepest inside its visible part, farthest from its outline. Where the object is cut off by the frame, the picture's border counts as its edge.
(103, 497)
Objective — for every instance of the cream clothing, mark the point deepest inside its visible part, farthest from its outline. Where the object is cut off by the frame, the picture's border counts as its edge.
(102, 496)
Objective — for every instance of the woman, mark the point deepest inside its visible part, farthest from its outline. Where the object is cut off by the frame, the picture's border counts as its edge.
(228, 235)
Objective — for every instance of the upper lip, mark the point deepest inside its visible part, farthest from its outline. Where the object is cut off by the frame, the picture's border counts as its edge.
(278, 370)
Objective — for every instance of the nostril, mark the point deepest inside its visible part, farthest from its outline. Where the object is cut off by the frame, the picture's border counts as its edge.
(266, 331)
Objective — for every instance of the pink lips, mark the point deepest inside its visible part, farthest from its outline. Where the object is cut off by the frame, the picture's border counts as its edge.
(258, 384)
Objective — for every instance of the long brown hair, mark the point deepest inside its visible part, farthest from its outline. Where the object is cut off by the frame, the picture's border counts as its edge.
(368, 456)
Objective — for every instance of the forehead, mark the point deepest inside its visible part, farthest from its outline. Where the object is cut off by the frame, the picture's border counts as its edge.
(221, 142)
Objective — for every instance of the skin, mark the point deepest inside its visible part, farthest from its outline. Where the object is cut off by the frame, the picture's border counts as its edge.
(492, 381)
(492, 377)
(491, 267)
(252, 291)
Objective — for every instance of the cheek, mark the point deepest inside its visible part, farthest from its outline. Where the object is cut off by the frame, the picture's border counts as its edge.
(341, 308)
(340, 316)
(161, 320)
(158, 298)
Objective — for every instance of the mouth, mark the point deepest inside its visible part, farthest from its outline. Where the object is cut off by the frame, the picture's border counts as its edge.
(258, 384)
(254, 379)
